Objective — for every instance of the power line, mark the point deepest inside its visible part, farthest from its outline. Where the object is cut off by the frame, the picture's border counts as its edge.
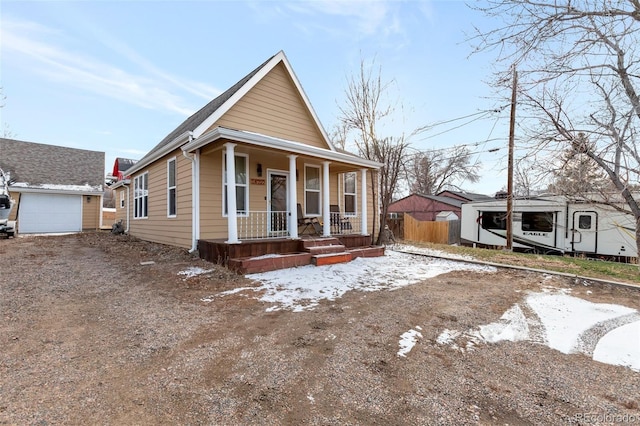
(478, 116)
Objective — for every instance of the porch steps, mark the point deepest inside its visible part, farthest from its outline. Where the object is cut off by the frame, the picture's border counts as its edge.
(326, 251)
(263, 256)
(331, 258)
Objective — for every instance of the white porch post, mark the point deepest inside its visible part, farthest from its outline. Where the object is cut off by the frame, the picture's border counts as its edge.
(363, 203)
(232, 212)
(293, 198)
(326, 214)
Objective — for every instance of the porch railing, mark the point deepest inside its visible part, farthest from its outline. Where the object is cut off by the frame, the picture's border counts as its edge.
(265, 224)
(344, 225)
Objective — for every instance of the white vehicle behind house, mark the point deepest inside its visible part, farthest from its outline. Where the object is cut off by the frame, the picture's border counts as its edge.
(7, 228)
(552, 224)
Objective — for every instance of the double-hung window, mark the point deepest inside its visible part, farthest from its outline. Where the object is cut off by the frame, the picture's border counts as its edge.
(350, 182)
(122, 199)
(171, 188)
(242, 189)
(141, 195)
(312, 190)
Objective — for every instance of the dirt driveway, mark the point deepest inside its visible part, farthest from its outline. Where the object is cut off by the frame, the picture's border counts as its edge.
(91, 336)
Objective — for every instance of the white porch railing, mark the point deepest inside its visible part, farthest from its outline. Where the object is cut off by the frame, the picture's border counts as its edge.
(264, 225)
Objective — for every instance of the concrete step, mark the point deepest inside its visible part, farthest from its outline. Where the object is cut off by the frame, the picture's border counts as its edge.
(336, 248)
(323, 241)
(331, 258)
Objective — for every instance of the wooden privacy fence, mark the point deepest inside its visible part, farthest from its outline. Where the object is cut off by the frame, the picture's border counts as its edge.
(445, 232)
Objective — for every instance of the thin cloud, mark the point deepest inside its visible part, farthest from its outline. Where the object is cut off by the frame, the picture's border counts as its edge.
(25, 41)
(368, 17)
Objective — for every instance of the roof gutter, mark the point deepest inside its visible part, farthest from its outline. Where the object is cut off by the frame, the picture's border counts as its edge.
(257, 139)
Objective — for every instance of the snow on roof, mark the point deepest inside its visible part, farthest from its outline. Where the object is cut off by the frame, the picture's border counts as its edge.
(56, 187)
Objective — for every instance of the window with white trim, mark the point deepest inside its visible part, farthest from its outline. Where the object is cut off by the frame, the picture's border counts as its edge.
(350, 194)
(122, 199)
(140, 196)
(171, 188)
(311, 190)
(242, 188)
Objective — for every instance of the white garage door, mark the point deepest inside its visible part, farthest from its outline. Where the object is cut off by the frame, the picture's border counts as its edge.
(41, 213)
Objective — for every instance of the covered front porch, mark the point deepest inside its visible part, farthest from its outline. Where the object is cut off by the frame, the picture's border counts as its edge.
(283, 189)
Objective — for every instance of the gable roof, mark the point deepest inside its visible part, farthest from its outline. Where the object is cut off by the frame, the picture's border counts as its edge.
(198, 123)
(469, 196)
(442, 199)
(39, 166)
(121, 164)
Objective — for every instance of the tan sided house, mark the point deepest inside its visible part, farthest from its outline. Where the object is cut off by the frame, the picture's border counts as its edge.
(297, 199)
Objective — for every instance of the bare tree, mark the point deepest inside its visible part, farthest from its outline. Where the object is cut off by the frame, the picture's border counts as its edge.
(578, 175)
(430, 172)
(360, 115)
(579, 71)
(6, 131)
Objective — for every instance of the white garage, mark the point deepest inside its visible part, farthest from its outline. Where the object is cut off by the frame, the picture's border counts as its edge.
(46, 213)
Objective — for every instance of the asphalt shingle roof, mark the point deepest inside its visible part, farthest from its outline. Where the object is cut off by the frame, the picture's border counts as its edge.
(40, 164)
(205, 112)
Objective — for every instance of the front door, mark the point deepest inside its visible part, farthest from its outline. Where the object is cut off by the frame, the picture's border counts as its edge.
(277, 203)
(584, 231)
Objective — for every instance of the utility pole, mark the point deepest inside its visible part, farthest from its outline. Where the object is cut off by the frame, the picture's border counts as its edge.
(512, 127)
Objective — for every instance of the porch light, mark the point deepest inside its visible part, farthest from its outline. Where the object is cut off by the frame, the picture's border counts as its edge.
(259, 170)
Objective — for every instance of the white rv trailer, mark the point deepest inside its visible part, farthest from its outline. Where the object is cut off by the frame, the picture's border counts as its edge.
(551, 224)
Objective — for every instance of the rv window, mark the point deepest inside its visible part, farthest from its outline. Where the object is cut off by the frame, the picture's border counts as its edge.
(537, 221)
(494, 220)
(584, 222)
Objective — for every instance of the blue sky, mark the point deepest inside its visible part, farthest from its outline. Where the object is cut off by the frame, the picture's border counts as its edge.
(118, 76)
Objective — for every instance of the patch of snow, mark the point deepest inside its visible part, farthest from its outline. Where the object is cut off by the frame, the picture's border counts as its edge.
(193, 271)
(407, 341)
(56, 187)
(311, 399)
(564, 319)
(620, 346)
(447, 337)
(512, 327)
(266, 256)
(407, 248)
(302, 288)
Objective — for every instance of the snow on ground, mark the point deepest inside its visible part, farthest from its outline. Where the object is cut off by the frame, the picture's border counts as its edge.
(620, 346)
(429, 252)
(408, 341)
(303, 287)
(193, 271)
(611, 333)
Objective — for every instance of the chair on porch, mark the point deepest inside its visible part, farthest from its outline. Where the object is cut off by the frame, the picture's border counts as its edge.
(339, 223)
(311, 223)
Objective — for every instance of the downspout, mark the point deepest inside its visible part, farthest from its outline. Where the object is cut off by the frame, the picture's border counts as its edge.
(195, 196)
(128, 198)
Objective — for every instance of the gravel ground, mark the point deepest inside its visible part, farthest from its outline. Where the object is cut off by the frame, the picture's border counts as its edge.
(91, 336)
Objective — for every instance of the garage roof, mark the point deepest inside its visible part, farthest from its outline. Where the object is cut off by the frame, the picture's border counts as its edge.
(50, 167)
